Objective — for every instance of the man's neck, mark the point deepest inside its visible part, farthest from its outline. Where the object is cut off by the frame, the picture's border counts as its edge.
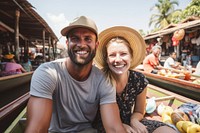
(80, 73)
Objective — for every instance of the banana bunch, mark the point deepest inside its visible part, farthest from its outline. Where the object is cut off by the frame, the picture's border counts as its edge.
(188, 127)
(166, 114)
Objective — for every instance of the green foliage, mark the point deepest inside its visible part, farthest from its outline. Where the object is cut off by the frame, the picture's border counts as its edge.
(176, 16)
(142, 33)
(193, 9)
(164, 10)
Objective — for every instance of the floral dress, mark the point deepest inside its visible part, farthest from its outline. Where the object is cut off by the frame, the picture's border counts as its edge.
(136, 84)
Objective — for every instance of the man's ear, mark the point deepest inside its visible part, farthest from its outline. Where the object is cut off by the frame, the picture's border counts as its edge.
(67, 42)
(97, 44)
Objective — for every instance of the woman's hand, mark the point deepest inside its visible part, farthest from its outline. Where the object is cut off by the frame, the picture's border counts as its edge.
(128, 128)
(137, 126)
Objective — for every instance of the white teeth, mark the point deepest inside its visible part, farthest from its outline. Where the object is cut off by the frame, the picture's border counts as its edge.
(81, 52)
(119, 66)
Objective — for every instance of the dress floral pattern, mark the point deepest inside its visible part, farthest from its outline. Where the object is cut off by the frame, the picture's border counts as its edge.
(136, 84)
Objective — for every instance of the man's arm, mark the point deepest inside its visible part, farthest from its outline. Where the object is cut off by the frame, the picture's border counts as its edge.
(39, 111)
(111, 118)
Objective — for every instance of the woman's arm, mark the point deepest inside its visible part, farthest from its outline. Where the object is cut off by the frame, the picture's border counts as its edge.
(138, 113)
(139, 109)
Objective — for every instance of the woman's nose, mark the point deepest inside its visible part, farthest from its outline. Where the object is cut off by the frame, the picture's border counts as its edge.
(117, 58)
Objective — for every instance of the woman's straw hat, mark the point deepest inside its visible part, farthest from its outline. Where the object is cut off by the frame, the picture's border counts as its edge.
(135, 40)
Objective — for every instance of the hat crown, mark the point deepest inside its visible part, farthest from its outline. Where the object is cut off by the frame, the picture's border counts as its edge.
(80, 22)
(137, 44)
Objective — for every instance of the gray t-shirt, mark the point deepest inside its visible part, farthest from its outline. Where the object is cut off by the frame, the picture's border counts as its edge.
(75, 103)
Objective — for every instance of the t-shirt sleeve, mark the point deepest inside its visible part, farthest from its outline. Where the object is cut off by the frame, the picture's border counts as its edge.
(43, 81)
(107, 92)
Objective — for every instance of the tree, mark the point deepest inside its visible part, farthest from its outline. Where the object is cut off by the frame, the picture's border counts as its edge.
(142, 33)
(165, 9)
(193, 9)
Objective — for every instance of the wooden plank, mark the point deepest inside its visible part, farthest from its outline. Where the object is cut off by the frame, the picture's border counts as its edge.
(9, 112)
(171, 94)
(16, 126)
(178, 86)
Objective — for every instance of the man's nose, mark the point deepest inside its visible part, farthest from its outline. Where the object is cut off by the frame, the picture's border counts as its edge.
(81, 42)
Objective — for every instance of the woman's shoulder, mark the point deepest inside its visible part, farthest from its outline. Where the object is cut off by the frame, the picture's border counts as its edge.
(135, 73)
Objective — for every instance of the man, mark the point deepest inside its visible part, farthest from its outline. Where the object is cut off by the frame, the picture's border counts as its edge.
(65, 94)
(170, 62)
(151, 62)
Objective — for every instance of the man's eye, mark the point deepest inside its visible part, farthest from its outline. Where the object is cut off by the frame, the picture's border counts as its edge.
(74, 39)
(88, 39)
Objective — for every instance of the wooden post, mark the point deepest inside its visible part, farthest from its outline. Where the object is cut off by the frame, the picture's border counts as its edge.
(43, 36)
(178, 49)
(17, 14)
(49, 57)
(53, 49)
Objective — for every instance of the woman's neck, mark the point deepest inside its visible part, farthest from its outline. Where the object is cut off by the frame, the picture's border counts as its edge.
(121, 81)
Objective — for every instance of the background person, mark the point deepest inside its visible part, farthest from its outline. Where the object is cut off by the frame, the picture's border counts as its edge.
(10, 66)
(121, 49)
(171, 63)
(151, 62)
(27, 64)
(65, 93)
(197, 70)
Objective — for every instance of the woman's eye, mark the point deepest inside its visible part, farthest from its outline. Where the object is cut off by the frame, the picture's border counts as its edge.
(123, 54)
(111, 55)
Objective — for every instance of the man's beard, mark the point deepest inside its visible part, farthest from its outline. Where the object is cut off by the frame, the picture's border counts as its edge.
(81, 62)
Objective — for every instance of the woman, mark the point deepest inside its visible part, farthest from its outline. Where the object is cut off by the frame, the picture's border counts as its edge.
(121, 49)
(11, 67)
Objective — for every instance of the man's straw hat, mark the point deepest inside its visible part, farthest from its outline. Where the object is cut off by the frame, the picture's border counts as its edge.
(80, 22)
(135, 40)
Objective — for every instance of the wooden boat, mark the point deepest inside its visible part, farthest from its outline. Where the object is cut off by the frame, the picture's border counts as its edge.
(161, 95)
(166, 97)
(14, 94)
(14, 86)
(9, 112)
(179, 86)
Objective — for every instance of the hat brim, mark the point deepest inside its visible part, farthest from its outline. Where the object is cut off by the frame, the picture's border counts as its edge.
(135, 40)
(66, 30)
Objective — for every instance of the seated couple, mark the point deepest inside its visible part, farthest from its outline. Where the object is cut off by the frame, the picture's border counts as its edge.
(66, 93)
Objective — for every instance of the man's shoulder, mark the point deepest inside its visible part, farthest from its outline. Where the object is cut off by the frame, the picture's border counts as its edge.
(57, 61)
(97, 71)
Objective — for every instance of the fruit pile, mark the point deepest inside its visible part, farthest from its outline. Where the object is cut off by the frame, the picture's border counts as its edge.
(188, 127)
(178, 118)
